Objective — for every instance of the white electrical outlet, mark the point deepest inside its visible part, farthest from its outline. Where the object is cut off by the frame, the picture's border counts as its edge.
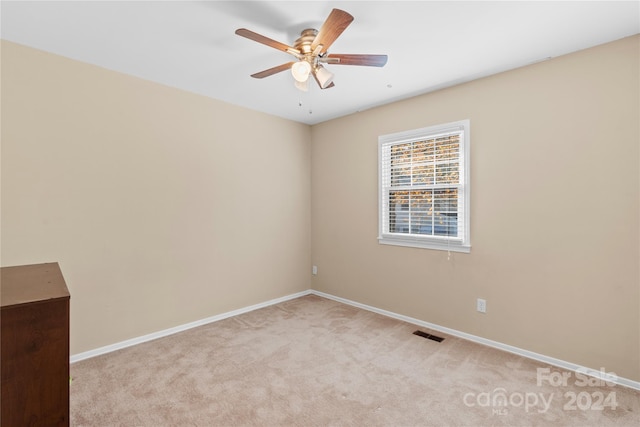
(481, 305)
(314, 270)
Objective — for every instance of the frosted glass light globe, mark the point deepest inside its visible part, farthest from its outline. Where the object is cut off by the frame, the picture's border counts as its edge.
(301, 70)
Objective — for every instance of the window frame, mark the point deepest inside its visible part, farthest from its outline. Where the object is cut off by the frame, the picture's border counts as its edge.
(461, 243)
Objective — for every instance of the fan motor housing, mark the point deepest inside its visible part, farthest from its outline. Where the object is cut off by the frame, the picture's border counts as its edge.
(303, 43)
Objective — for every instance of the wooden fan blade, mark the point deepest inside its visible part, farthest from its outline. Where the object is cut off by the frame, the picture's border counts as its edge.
(356, 59)
(272, 71)
(335, 24)
(265, 40)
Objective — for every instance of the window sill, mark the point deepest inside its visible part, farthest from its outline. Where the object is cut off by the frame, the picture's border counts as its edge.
(451, 246)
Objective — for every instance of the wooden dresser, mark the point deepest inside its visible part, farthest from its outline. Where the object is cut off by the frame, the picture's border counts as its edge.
(34, 354)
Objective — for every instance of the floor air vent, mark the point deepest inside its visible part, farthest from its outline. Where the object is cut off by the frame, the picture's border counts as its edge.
(428, 336)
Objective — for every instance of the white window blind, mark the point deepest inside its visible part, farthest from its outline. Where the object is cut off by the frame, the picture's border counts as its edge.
(424, 189)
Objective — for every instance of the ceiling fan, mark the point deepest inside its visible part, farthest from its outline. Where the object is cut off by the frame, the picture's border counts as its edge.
(311, 51)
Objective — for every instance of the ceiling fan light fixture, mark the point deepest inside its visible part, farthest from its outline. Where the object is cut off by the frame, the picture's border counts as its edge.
(301, 70)
(324, 76)
(311, 48)
(303, 86)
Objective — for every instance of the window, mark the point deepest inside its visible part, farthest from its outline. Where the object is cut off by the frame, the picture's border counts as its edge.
(424, 187)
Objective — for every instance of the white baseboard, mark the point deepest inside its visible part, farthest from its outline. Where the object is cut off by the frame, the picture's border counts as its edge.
(155, 335)
(505, 347)
(498, 345)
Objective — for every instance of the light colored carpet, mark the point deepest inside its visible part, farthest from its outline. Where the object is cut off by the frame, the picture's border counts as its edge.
(317, 362)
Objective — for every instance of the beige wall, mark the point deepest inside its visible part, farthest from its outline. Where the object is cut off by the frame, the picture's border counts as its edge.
(161, 210)
(555, 210)
(162, 207)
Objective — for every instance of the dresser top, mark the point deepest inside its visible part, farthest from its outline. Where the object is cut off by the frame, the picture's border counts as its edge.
(31, 283)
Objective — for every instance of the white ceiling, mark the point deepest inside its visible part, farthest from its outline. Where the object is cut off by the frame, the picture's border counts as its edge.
(430, 44)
